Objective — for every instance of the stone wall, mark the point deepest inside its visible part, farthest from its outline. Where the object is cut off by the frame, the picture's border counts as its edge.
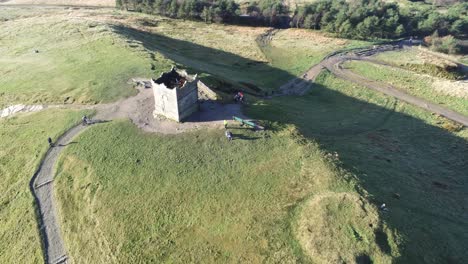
(165, 101)
(187, 100)
(178, 101)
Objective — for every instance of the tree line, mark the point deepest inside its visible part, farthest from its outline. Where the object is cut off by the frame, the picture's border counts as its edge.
(219, 11)
(358, 19)
(367, 19)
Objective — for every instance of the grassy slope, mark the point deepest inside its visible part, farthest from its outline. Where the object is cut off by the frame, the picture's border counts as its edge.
(87, 56)
(78, 59)
(231, 52)
(414, 84)
(404, 159)
(195, 197)
(296, 50)
(23, 144)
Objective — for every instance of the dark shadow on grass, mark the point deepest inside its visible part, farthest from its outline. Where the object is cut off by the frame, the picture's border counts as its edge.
(243, 137)
(381, 239)
(363, 259)
(396, 158)
(214, 111)
(244, 74)
(97, 121)
(393, 154)
(63, 145)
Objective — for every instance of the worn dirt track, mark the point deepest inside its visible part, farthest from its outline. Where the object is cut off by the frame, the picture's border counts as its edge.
(42, 188)
(334, 62)
(334, 65)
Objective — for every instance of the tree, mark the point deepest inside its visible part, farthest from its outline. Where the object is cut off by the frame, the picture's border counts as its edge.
(207, 14)
(400, 31)
(346, 29)
(183, 11)
(173, 8)
(368, 27)
(460, 27)
(309, 21)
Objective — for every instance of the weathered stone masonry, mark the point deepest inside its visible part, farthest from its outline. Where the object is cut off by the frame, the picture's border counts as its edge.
(175, 94)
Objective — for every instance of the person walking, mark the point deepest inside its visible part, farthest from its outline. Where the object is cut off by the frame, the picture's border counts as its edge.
(85, 120)
(50, 142)
(228, 135)
(225, 124)
(241, 97)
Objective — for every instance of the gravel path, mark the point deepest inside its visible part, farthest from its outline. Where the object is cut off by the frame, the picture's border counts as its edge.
(42, 189)
(333, 63)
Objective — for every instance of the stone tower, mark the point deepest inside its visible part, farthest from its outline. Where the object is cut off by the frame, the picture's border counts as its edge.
(175, 94)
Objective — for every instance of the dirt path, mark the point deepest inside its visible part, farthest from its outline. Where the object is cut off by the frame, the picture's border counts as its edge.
(334, 63)
(42, 188)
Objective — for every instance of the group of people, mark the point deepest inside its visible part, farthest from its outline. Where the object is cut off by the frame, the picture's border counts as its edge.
(239, 97)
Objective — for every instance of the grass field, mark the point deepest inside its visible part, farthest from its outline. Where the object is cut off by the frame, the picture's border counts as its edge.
(414, 84)
(23, 144)
(273, 196)
(87, 56)
(420, 60)
(400, 155)
(78, 60)
(196, 197)
(231, 54)
(306, 190)
(296, 50)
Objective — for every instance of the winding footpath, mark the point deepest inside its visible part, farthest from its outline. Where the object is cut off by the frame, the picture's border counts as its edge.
(334, 63)
(42, 188)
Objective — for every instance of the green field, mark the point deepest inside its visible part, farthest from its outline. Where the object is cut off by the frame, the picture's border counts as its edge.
(89, 56)
(272, 196)
(78, 61)
(399, 154)
(196, 197)
(296, 50)
(306, 190)
(423, 61)
(412, 83)
(230, 55)
(23, 145)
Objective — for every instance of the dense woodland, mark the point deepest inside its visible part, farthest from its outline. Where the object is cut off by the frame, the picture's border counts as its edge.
(359, 19)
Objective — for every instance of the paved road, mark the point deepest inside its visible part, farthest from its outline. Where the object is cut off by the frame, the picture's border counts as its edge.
(42, 188)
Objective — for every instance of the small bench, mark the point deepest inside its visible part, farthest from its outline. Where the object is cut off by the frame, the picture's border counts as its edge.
(248, 123)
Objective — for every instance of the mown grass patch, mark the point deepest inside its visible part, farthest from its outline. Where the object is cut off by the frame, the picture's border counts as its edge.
(400, 155)
(23, 144)
(414, 84)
